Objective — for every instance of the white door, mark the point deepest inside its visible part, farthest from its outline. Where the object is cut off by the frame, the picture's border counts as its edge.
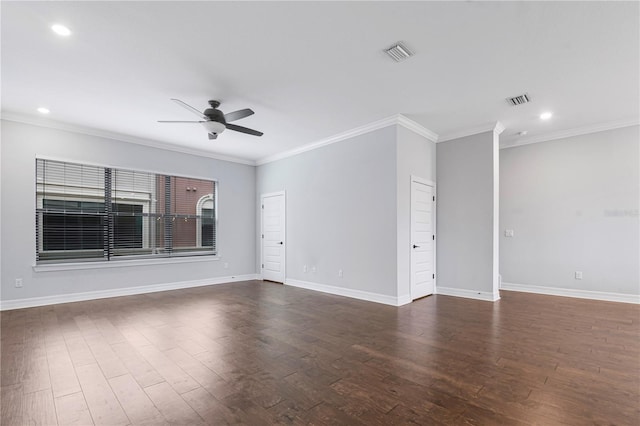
(273, 237)
(422, 238)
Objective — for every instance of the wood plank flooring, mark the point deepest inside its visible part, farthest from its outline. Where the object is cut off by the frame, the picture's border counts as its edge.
(260, 353)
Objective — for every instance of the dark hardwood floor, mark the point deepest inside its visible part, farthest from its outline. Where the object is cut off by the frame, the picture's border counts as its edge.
(262, 353)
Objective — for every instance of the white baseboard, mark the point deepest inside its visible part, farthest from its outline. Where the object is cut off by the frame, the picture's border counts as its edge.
(404, 300)
(568, 292)
(127, 291)
(349, 292)
(469, 294)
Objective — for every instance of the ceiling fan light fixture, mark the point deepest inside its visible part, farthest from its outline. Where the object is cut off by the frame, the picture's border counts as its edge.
(214, 127)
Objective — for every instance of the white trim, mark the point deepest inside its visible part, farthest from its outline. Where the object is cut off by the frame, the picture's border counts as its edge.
(409, 124)
(568, 292)
(118, 292)
(349, 292)
(578, 131)
(53, 267)
(284, 232)
(469, 294)
(51, 124)
(495, 231)
(376, 125)
(272, 194)
(405, 299)
(423, 181)
(397, 119)
(495, 126)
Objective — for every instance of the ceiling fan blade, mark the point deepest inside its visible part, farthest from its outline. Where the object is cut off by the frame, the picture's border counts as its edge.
(213, 136)
(190, 108)
(171, 121)
(244, 130)
(237, 115)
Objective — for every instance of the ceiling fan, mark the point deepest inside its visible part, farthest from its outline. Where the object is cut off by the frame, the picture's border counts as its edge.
(215, 121)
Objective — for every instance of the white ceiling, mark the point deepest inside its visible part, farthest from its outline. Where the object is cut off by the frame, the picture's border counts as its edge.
(314, 69)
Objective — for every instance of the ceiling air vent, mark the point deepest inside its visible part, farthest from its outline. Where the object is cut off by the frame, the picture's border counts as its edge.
(519, 100)
(399, 52)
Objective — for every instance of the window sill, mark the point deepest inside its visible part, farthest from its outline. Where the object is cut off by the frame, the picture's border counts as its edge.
(123, 263)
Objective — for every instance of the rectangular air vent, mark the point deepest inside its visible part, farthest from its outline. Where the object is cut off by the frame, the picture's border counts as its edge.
(519, 100)
(398, 52)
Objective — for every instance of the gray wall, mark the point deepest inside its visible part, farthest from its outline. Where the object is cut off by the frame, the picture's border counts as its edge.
(466, 209)
(573, 206)
(21, 143)
(416, 156)
(341, 212)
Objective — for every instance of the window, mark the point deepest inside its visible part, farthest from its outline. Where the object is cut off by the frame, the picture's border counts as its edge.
(97, 213)
(207, 227)
(206, 230)
(75, 230)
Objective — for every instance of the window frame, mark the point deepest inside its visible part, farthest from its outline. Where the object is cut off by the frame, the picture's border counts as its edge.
(95, 194)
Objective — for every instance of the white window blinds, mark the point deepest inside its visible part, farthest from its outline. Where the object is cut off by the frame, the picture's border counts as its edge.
(99, 213)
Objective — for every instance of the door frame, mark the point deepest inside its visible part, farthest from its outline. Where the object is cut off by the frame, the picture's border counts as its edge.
(432, 184)
(284, 232)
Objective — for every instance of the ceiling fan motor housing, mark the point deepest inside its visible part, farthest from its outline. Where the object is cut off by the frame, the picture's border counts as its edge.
(215, 115)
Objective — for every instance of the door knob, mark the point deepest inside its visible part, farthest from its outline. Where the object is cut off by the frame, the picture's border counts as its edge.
(280, 243)
(415, 246)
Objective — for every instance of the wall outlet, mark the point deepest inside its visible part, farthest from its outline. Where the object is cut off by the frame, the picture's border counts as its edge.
(304, 269)
(226, 265)
(313, 270)
(578, 275)
(508, 233)
(18, 282)
(340, 273)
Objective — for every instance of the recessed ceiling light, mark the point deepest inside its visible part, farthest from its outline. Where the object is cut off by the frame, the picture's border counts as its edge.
(43, 110)
(61, 30)
(545, 115)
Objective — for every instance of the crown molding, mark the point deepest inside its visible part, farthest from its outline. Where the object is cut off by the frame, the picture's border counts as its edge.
(417, 128)
(494, 126)
(57, 125)
(397, 119)
(385, 122)
(578, 131)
